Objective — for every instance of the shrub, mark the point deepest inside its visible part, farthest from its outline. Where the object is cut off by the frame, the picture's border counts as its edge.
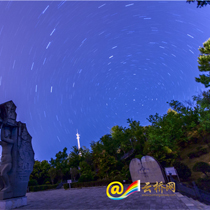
(86, 176)
(47, 180)
(202, 167)
(66, 186)
(203, 183)
(203, 151)
(36, 188)
(93, 183)
(199, 147)
(183, 171)
(42, 187)
(139, 156)
(32, 182)
(200, 151)
(31, 188)
(192, 155)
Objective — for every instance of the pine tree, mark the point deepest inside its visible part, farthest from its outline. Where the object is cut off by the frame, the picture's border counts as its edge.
(204, 62)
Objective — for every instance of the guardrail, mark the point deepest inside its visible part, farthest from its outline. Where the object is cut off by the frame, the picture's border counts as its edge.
(194, 192)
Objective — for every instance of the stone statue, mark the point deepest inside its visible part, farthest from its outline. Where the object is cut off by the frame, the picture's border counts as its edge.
(6, 158)
(17, 154)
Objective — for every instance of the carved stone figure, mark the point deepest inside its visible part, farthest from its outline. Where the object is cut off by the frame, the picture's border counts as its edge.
(6, 158)
(8, 114)
(146, 170)
(17, 154)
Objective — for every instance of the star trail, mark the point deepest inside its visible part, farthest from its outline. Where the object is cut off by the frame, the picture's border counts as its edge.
(92, 65)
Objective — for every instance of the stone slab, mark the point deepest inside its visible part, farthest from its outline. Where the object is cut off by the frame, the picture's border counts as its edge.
(5, 195)
(147, 170)
(13, 203)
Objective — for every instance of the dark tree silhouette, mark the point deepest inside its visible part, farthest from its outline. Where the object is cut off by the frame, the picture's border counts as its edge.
(200, 4)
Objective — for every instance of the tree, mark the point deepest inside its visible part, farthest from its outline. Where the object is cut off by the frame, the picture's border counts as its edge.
(199, 3)
(61, 163)
(202, 167)
(74, 158)
(171, 110)
(86, 173)
(154, 119)
(183, 170)
(203, 102)
(97, 149)
(136, 135)
(165, 135)
(40, 171)
(122, 138)
(107, 165)
(32, 182)
(204, 62)
(189, 115)
(52, 173)
(109, 144)
(74, 173)
(165, 131)
(86, 156)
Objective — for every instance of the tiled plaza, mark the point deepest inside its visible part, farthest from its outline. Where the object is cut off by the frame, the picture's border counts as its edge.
(96, 198)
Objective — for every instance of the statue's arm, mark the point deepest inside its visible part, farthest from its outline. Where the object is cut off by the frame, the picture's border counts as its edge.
(8, 140)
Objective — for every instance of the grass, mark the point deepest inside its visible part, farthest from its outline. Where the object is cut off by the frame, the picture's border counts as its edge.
(192, 147)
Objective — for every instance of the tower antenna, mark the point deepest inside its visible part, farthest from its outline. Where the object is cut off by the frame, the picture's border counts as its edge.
(78, 136)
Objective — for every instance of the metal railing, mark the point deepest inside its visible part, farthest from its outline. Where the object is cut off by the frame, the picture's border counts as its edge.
(193, 192)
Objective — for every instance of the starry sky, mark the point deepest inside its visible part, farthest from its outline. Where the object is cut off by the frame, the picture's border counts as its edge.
(92, 65)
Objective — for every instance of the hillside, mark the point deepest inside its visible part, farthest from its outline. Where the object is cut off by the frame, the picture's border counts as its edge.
(193, 147)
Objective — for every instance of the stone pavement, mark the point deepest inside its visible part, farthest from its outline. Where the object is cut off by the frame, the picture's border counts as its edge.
(96, 198)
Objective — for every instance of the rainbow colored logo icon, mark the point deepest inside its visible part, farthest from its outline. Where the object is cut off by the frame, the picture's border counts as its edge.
(134, 187)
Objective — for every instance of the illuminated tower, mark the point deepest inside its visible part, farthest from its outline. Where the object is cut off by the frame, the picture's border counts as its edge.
(78, 136)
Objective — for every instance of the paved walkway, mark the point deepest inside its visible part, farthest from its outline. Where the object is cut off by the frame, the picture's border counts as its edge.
(96, 198)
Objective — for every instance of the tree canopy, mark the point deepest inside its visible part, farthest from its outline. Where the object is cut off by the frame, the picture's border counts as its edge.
(204, 64)
(200, 4)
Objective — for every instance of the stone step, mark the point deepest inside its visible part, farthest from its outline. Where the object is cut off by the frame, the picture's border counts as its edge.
(193, 204)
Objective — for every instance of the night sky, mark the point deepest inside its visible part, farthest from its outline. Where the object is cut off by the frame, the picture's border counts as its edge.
(92, 65)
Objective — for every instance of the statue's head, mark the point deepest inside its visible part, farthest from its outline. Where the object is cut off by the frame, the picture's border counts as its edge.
(24, 134)
(7, 133)
(10, 107)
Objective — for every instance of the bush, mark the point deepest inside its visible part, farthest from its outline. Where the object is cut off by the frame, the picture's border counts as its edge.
(66, 186)
(93, 183)
(202, 167)
(31, 188)
(86, 176)
(47, 180)
(199, 147)
(203, 183)
(203, 151)
(192, 155)
(90, 184)
(200, 151)
(42, 187)
(32, 182)
(183, 171)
